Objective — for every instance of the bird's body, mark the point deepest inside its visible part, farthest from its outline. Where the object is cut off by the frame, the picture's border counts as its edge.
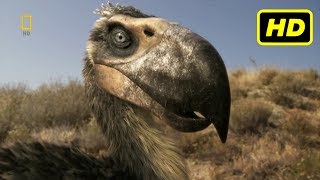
(40, 161)
(136, 66)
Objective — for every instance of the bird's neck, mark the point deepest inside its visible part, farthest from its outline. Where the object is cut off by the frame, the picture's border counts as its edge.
(136, 146)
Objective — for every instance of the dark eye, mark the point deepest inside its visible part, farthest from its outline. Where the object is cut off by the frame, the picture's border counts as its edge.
(120, 38)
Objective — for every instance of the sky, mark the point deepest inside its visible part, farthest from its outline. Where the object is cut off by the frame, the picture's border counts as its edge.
(55, 48)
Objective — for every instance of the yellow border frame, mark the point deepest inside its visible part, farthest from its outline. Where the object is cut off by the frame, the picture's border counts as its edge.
(285, 11)
(29, 16)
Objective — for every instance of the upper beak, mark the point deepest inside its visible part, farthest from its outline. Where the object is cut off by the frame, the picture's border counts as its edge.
(182, 78)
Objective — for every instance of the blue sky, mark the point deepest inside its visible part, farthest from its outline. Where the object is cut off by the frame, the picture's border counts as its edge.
(60, 28)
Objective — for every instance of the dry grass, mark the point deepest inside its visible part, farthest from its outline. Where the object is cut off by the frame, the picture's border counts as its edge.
(274, 128)
(24, 111)
(250, 116)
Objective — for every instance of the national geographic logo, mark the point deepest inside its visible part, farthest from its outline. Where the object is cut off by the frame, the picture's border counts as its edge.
(284, 27)
(26, 24)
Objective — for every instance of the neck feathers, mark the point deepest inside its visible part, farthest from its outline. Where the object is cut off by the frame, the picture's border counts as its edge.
(139, 148)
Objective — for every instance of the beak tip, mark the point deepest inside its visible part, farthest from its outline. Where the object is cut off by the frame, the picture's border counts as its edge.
(222, 129)
(223, 139)
(223, 136)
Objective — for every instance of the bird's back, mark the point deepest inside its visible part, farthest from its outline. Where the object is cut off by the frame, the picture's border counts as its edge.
(50, 161)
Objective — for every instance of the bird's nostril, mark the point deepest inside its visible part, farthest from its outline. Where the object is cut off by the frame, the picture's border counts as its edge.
(148, 32)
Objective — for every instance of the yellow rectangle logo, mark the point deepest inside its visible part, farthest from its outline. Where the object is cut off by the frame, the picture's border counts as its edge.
(284, 27)
(26, 22)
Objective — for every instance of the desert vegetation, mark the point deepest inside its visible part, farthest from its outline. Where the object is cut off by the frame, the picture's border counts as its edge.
(274, 126)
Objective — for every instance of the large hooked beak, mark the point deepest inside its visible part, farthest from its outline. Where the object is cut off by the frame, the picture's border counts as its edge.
(176, 74)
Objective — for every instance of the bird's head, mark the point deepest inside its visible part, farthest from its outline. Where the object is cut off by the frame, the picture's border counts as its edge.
(160, 66)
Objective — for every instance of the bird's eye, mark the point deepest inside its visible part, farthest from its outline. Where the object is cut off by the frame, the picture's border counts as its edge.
(120, 41)
(120, 38)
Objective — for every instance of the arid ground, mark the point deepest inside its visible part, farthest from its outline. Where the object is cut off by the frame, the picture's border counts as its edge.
(274, 130)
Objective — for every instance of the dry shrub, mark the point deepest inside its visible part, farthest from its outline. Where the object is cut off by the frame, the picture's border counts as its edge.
(57, 104)
(50, 105)
(241, 81)
(307, 168)
(305, 127)
(293, 88)
(88, 137)
(11, 98)
(200, 170)
(260, 158)
(239, 72)
(26, 111)
(18, 132)
(301, 122)
(267, 74)
(295, 81)
(290, 100)
(247, 84)
(265, 158)
(250, 116)
(205, 145)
